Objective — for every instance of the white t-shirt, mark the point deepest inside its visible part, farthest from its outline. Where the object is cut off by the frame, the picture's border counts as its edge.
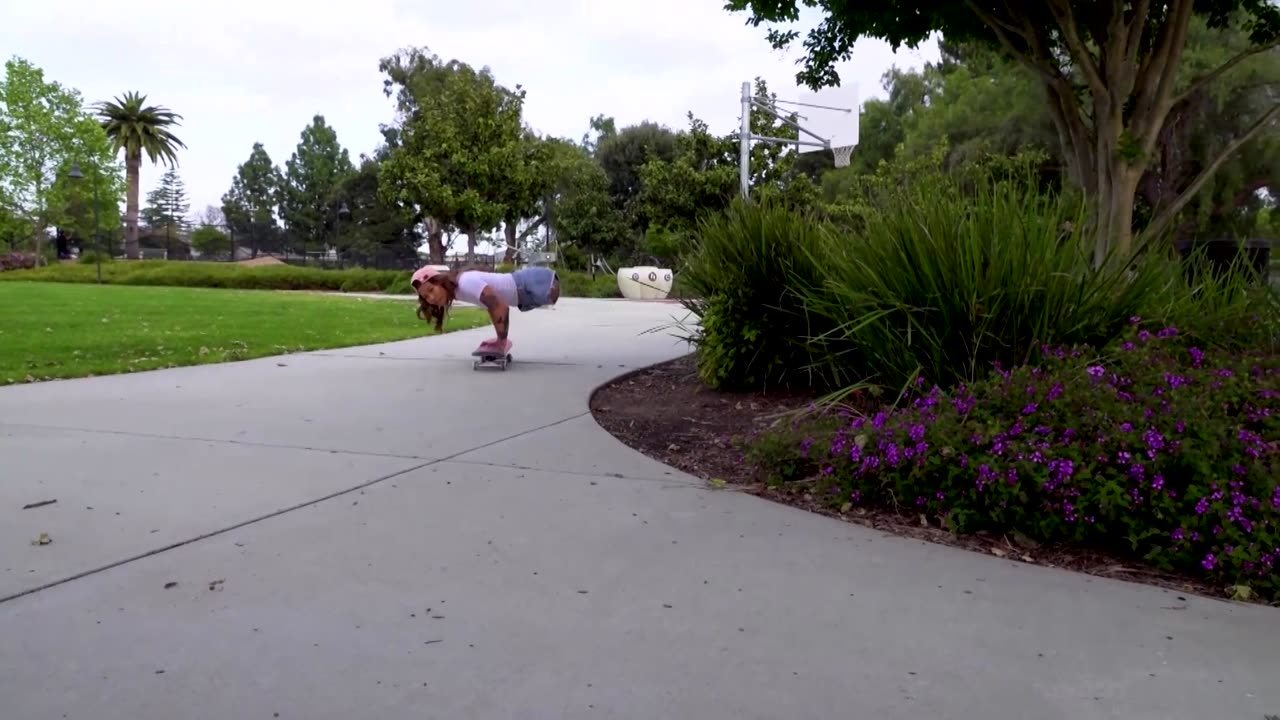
(472, 282)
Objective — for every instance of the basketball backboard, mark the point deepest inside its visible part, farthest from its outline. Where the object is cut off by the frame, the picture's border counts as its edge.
(838, 124)
(826, 121)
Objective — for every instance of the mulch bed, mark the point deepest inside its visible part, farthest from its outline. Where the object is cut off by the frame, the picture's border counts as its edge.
(665, 412)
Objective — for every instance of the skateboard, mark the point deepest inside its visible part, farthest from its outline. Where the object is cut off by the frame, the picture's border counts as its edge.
(491, 356)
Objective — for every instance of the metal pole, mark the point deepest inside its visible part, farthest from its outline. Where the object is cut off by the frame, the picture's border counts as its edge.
(97, 226)
(744, 142)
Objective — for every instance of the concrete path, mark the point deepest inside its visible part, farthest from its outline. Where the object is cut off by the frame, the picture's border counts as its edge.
(381, 532)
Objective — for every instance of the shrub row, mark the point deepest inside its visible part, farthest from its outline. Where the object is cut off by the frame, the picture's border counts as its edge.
(17, 261)
(264, 277)
(944, 278)
(1055, 412)
(1159, 450)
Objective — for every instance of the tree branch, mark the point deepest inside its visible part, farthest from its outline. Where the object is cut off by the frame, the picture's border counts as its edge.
(1062, 13)
(531, 229)
(1162, 221)
(1159, 101)
(1223, 69)
(1133, 40)
(999, 28)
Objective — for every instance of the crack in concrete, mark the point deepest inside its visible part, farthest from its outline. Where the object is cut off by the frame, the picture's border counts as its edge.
(275, 513)
(219, 441)
(581, 473)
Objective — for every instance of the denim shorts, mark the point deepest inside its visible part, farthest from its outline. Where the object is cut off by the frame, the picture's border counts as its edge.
(533, 286)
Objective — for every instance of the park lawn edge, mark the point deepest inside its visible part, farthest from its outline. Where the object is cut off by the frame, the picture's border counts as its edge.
(13, 372)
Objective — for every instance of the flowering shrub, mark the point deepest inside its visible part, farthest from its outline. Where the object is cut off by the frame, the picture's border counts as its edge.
(17, 261)
(1160, 451)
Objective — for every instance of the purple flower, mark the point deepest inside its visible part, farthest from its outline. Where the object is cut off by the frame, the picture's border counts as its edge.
(1209, 561)
(1096, 371)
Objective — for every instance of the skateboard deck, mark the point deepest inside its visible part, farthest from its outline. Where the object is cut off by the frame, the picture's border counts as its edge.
(498, 356)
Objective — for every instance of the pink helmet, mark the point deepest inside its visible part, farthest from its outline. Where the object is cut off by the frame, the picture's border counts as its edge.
(423, 274)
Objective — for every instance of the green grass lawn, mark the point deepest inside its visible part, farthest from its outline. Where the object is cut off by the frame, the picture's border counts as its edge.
(60, 330)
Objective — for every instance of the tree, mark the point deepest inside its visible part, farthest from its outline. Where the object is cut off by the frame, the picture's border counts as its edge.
(377, 231)
(86, 224)
(139, 128)
(249, 206)
(577, 206)
(168, 202)
(308, 201)
(459, 136)
(703, 174)
(167, 207)
(44, 129)
(209, 239)
(522, 194)
(1110, 71)
(622, 154)
(604, 128)
(211, 215)
(1199, 127)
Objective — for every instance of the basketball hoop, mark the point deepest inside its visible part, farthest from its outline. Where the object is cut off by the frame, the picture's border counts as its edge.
(842, 154)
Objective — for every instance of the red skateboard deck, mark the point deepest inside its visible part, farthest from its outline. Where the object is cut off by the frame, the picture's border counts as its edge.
(492, 356)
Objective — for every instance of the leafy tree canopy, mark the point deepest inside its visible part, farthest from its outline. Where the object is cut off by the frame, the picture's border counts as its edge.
(1111, 71)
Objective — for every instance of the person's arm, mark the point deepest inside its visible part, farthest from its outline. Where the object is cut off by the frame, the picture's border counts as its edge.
(499, 313)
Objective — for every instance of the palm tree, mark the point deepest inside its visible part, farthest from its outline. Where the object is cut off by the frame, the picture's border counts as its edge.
(139, 128)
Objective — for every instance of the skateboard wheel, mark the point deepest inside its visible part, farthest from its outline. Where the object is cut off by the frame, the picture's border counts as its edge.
(475, 365)
(508, 358)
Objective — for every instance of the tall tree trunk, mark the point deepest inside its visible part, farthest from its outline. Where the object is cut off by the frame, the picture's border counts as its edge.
(41, 224)
(133, 165)
(471, 244)
(435, 241)
(509, 227)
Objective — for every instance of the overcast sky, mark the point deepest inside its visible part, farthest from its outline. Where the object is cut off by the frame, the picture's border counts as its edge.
(241, 71)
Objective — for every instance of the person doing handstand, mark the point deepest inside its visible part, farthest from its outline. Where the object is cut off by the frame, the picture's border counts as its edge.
(525, 289)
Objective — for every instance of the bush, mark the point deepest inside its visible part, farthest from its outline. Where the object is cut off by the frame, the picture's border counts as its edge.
(581, 284)
(217, 275)
(93, 257)
(746, 271)
(267, 277)
(17, 261)
(1159, 450)
(951, 274)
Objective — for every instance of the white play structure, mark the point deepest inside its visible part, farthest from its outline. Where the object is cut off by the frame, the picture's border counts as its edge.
(644, 282)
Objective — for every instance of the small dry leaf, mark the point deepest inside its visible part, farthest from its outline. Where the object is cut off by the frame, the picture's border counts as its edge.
(717, 482)
(1243, 593)
(998, 552)
(170, 585)
(846, 507)
(216, 585)
(924, 521)
(1028, 558)
(44, 539)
